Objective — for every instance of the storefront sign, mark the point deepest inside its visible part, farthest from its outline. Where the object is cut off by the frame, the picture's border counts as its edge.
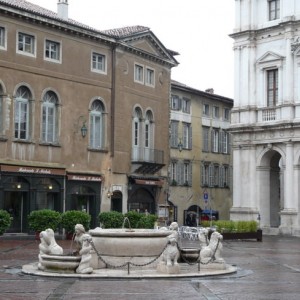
(84, 178)
(149, 182)
(32, 170)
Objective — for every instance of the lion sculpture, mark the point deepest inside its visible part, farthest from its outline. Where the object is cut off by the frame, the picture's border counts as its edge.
(212, 252)
(48, 246)
(171, 254)
(203, 237)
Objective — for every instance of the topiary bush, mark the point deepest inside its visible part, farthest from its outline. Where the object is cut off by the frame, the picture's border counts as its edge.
(39, 220)
(147, 221)
(134, 219)
(5, 221)
(72, 217)
(111, 219)
(114, 219)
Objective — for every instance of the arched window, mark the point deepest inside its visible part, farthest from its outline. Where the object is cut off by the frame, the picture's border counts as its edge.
(49, 117)
(136, 133)
(21, 114)
(97, 125)
(149, 155)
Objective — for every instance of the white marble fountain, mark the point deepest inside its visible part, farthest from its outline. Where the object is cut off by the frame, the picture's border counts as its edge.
(134, 253)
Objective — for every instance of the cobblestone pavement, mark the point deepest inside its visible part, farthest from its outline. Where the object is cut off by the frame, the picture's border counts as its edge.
(266, 270)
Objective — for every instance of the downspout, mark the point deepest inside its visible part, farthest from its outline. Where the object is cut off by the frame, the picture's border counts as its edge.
(113, 101)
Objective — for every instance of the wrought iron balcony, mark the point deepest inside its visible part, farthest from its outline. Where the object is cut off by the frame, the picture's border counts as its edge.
(149, 160)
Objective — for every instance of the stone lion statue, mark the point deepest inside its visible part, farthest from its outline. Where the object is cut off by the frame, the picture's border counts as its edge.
(171, 254)
(203, 237)
(212, 252)
(48, 246)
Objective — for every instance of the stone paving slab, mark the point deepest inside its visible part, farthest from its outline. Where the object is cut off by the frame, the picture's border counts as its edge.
(268, 270)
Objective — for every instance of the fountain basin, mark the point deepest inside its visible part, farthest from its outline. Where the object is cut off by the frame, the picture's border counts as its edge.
(140, 245)
(60, 263)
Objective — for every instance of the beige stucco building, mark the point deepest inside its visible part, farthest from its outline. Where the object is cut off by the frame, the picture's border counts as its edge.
(200, 155)
(84, 114)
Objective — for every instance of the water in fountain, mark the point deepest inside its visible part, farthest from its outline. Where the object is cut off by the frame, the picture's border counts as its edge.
(128, 222)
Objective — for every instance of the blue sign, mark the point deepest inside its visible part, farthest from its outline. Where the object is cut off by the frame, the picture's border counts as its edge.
(205, 196)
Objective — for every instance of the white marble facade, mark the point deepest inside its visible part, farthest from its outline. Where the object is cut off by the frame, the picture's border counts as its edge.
(265, 120)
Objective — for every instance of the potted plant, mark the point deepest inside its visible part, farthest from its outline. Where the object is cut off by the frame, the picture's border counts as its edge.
(72, 217)
(5, 221)
(233, 230)
(39, 220)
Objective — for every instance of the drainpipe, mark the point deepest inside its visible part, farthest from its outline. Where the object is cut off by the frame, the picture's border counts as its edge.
(113, 101)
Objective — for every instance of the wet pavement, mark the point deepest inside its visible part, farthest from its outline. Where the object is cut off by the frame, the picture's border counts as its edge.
(266, 270)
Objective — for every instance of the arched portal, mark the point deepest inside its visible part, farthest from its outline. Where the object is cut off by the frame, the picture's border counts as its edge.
(142, 200)
(270, 184)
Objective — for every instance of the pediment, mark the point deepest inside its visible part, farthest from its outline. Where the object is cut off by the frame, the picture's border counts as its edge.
(148, 43)
(269, 57)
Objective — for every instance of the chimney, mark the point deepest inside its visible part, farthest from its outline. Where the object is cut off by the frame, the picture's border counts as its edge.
(62, 9)
(210, 91)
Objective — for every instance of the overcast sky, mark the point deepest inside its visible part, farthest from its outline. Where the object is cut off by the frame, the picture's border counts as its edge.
(197, 29)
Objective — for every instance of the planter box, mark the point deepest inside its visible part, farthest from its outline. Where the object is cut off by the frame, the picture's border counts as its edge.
(243, 235)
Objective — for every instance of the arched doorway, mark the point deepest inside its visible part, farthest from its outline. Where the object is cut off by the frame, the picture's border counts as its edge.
(270, 183)
(116, 201)
(142, 200)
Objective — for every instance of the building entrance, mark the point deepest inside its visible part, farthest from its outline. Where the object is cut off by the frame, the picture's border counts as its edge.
(15, 203)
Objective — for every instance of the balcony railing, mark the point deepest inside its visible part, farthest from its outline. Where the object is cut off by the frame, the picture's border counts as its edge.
(142, 154)
(269, 114)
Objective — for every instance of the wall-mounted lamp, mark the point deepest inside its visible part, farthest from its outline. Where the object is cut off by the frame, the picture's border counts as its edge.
(77, 126)
(50, 187)
(83, 130)
(18, 185)
(180, 146)
(109, 194)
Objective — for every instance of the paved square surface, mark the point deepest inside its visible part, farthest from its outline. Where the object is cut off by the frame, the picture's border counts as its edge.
(266, 270)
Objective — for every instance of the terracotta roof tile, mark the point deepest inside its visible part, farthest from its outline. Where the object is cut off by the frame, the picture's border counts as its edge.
(125, 31)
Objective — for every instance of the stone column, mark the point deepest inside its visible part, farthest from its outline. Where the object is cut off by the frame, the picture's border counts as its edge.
(289, 177)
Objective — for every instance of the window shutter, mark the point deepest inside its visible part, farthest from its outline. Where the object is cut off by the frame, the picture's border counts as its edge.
(190, 137)
(211, 175)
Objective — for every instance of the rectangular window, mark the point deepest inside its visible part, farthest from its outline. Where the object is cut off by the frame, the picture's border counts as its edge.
(206, 110)
(26, 43)
(175, 102)
(174, 134)
(216, 114)
(205, 174)
(149, 77)
(52, 50)
(2, 38)
(187, 174)
(216, 175)
(186, 105)
(173, 173)
(98, 63)
(226, 114)
(272, 87)
(224, 142)
(187, 136)
(274, 9)
(205, 131)
(138, 73)
(224, 176)
(215, 140)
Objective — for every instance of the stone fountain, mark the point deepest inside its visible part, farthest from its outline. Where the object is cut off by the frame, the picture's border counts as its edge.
(127, 252)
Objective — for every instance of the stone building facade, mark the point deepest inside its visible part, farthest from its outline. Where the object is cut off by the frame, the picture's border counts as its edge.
(200, 164)
(84, 114)
(265, 118)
